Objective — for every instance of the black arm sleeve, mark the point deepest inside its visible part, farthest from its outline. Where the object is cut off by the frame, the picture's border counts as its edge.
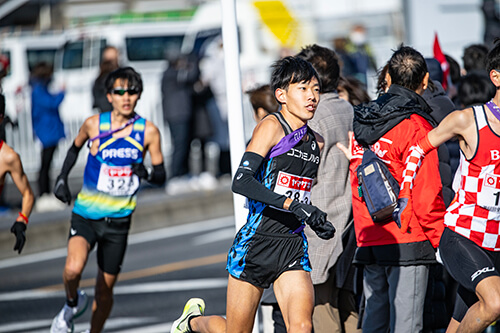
(245, 184)
(70, 160)
(158, 175)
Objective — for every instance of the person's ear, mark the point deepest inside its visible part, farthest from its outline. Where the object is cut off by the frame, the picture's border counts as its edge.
(425, 81)
(388, 80)
(108, 96)
(280, 95)
(495, 77)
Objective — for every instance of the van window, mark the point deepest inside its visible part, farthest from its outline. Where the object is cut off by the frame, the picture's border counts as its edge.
(38, 55)
(151, 48)
(203, 38)
(73, 55)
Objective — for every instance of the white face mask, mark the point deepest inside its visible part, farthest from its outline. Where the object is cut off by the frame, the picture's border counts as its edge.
(358, 38)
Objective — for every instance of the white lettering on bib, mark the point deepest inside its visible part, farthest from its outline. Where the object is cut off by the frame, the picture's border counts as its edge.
(117, 180)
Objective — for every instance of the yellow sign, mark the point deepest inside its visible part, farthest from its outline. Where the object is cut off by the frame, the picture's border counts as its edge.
(280, 21)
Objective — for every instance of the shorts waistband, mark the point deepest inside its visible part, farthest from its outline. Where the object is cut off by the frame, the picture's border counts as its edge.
(118, 222)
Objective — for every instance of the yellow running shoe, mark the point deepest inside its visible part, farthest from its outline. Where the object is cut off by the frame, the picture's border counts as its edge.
(195, 307)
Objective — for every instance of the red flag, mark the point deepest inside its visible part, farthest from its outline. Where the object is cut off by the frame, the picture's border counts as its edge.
(439, 56)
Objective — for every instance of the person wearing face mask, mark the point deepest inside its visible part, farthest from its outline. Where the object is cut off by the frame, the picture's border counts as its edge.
(360, 54)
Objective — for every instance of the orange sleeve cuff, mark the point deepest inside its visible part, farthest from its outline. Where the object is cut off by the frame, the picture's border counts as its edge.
(425, 144)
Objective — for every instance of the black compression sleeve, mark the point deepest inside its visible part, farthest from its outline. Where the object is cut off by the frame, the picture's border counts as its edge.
(70, 160)
(245, 184)
(158, 175)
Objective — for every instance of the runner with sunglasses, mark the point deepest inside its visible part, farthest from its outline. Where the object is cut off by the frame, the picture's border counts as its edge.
(117, 142)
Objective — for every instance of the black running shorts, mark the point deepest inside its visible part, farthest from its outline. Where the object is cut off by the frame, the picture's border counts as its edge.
(272, 254)
(468, 264)
(110, 234)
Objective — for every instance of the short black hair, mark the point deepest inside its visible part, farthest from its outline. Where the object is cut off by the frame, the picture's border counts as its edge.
(454, 69)
(326, 62)
(474, 57)
(493, 56)
(291, 70)
(407, 67)
(124, 73)
(475, 89)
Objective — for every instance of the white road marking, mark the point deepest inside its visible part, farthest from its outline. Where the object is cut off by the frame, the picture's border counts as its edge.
(215, 236)
(152, 287)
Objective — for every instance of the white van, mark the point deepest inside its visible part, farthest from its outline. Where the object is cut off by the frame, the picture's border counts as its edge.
(23, 52)
(141, 45)
(258, 47)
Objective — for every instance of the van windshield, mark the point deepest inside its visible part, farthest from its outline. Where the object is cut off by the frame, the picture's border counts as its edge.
(73, 55)
(151, 48)
(39, 55)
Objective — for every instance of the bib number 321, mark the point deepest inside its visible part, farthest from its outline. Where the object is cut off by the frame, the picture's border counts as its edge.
(117, 180)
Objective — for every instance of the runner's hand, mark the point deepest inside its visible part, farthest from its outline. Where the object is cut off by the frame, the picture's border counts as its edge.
(323, 228)
(19, 230)
(140, 170)
(314, 217)
(61, 190)
(305, 212)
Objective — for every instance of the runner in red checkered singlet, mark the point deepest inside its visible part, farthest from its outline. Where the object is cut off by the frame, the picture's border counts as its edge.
(475, 211)
(470, 245)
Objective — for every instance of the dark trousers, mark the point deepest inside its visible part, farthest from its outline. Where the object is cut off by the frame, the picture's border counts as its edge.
(181, 134)
(44, 174)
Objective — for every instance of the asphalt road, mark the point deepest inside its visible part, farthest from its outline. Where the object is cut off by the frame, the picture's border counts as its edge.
(163, 268)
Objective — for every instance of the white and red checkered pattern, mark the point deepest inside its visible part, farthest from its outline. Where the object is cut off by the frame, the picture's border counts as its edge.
(412, 164)
(475, 211)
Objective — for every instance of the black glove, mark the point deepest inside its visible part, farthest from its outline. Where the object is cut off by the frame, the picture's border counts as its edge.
(19, 229)
(305, 212)
(61, 189)
(323, 228)
(140, 170)
(314, 217)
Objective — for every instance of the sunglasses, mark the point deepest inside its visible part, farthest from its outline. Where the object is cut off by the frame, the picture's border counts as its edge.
(121, 91)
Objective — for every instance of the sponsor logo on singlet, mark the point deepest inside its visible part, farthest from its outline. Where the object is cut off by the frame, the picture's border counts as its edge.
(303, 155)
(132, 153)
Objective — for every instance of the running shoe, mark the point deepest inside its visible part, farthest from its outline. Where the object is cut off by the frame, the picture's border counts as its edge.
(195, 307)
(63, 322)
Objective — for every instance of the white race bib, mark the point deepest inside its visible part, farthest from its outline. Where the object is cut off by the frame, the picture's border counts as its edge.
(294, 187)
(117, 180)
(489, 196)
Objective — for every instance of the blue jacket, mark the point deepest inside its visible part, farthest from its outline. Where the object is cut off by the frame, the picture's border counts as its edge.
(47, 123)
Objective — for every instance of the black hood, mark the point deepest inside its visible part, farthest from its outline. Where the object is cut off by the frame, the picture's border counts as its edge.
(373, 119)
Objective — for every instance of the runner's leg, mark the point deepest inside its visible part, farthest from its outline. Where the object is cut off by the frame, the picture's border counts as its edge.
(242, 303)
(486, 310)
(295, 294)
(78, 249)
(103, 300)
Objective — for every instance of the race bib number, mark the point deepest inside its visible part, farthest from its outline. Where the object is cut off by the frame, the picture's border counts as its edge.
(294, 187)
(117, 180)
(489, 196)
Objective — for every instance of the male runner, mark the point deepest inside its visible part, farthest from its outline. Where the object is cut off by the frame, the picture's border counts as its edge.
(10, 162)
(118, 142)
(470, 244)
(276, 175)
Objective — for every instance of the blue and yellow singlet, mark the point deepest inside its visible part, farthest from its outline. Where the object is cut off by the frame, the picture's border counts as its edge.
(109, 186)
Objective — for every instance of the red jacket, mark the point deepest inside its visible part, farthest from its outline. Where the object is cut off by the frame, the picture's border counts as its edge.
(428, 206)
